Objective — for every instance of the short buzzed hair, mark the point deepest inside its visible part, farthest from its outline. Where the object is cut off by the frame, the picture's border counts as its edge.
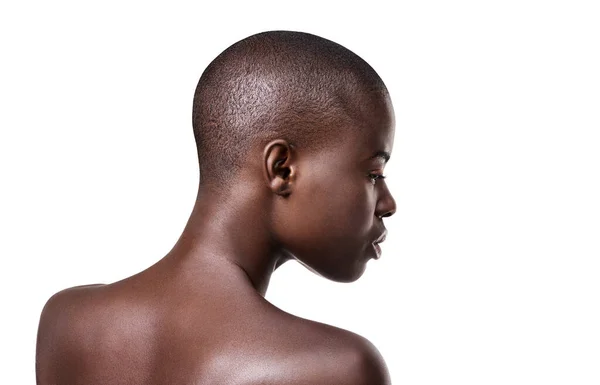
(278, 84)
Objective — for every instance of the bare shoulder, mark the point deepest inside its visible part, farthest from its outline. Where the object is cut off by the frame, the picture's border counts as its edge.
(368, 366)
(59, 329)
(61, 309)
(310, 352)
(353, 361)
(64, 303)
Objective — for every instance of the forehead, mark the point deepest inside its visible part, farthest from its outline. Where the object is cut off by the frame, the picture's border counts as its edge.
(374, 125)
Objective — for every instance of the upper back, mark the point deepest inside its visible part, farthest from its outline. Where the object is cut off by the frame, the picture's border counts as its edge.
(100, 334)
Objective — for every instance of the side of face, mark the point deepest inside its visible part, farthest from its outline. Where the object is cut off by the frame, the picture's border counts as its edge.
(332, 213)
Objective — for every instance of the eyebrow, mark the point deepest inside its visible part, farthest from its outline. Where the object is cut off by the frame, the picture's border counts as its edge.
(381, 154)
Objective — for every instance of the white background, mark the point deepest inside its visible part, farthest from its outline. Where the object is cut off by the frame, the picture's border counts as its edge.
(490, 274)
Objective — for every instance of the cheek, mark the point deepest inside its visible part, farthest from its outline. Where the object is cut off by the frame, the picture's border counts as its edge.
(332, 231)
(327, 226)
(353, 209)
(337, 211)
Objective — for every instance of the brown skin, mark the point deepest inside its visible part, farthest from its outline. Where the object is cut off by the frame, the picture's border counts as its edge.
(199, 316)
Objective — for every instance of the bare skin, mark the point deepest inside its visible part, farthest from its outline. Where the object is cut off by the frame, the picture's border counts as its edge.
(199, 316)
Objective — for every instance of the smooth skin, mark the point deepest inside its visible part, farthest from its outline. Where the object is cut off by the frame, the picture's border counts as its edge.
(199, 316)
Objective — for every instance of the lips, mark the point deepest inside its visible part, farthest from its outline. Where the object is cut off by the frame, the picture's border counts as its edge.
(381, 237)
(377, 250)
(376, 243)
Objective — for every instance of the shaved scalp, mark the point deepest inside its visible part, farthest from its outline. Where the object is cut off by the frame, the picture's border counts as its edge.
(276, 85)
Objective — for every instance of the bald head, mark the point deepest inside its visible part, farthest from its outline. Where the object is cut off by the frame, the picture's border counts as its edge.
(276, 85)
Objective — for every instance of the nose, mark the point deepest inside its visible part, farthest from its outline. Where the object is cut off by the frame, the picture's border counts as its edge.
(386, 205)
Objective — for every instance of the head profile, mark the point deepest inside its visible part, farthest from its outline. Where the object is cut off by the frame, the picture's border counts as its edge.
(303, 127)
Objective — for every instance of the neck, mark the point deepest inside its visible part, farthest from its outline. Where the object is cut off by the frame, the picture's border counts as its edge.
(231, 231)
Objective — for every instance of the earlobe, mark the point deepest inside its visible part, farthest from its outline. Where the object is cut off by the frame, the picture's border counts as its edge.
(278, 167)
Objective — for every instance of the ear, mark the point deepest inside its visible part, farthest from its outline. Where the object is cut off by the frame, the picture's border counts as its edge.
(279, 169)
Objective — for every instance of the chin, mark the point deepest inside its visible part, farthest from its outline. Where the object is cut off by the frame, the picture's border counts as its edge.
(343, 274)
(351, 276)
(342, 266)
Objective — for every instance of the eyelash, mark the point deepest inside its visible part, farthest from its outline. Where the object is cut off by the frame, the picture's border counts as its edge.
(374, 177)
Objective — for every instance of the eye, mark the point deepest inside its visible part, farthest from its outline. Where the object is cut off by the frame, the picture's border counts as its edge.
(374, 177)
